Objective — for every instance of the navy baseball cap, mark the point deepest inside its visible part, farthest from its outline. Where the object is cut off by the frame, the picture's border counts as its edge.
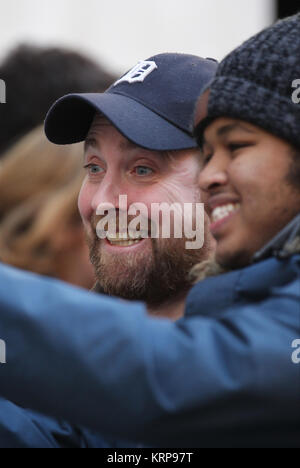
(152, 105)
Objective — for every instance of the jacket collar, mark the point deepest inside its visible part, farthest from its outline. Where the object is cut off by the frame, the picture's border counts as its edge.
(252, 284)
(284, 244)
(275, 265)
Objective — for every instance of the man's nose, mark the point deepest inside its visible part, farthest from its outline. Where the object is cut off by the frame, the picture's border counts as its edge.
(108, 191)
(214, 174)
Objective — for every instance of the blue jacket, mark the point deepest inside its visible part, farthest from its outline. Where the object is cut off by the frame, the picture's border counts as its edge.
(22, 428)
(221, 376)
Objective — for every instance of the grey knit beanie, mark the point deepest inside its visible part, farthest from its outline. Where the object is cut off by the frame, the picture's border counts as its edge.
(254, 82)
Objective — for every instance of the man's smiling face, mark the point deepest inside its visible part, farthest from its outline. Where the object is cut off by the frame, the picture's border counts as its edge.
(152, 270)
(245, 179)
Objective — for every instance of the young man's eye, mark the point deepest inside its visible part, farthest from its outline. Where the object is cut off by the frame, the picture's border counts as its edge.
(143, 171)
(205, 159)
(237, 146)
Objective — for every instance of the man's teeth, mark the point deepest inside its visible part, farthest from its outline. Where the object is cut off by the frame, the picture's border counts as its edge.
(123, 243)
(223, 211)
(125, 239)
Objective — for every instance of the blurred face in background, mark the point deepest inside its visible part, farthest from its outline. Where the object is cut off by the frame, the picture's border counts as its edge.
(152, 270)
(40, 228)
(248, 182)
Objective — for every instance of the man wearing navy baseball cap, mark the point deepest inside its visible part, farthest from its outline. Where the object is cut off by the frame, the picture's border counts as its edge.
(139, 145)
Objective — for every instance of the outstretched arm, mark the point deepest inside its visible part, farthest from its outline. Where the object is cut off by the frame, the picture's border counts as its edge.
(104, 363)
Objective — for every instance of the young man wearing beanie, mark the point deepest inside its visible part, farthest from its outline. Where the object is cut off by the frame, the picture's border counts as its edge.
(248, 128)
(227, 374)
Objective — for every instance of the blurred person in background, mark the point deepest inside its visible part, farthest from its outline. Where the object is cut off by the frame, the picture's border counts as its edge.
(35, 77)
(40, 226)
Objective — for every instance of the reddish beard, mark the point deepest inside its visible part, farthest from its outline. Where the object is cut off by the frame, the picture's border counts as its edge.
(155, 275)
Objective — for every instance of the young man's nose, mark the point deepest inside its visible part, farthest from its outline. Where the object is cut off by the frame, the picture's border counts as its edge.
(214, 174)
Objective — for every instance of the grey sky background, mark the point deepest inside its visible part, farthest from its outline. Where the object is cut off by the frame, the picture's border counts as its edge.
(119, 33)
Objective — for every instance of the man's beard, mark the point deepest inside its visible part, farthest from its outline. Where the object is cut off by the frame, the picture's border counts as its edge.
(154, 276)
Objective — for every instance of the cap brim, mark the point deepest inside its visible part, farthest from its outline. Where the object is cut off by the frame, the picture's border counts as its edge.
(69, 120)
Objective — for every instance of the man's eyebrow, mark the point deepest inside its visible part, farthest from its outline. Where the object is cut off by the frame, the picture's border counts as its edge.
(231, 127)
(90, 142)
(127, 145)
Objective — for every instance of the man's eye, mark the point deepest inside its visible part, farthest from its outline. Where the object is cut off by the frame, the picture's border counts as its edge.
(93, 169)
(143, 170)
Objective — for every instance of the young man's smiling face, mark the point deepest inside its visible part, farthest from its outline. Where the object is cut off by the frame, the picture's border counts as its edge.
(246, 182)
(152, 270)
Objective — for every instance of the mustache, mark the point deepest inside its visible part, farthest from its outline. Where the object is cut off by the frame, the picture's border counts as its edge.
(121, 221)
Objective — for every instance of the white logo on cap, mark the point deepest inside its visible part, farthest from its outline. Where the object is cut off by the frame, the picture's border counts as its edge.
(138, 73)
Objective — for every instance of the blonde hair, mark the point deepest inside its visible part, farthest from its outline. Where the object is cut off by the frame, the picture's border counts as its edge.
(39, 186)
(204, 270)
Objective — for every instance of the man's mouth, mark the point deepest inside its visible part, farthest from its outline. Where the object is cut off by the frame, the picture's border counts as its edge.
(125, 239)
(221, 212)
